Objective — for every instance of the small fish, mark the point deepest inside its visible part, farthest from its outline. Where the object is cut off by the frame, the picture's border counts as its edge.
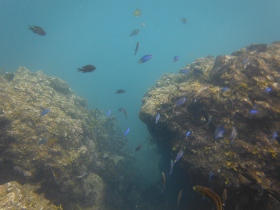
(188, 133)
(37, 30)
(179, 197)
(136, 48)
(157, 117)
(179, 155)
(171, 166)
(180, 102)
(123, 111)
(108, 113)
(184, 20)
(163, 180)
(82, 175)
(209, 119)
(184, 71)
(253, 112)
(210, 176)
(126, 132)
(224, 89)
(145, 58)
(120, 91)
(245, 61)
(87, 68)
(42, 141)
(137, 13)
(46, 111)
(143, 24)
(138, 147)
(175, 58)
(268, 90)
(274, 137)
(135, 32)
(206, 191)
(224, 197)
(219, 132)
(233, 135)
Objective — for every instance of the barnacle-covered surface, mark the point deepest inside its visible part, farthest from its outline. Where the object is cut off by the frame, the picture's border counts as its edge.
(247, 73)
(82, 153)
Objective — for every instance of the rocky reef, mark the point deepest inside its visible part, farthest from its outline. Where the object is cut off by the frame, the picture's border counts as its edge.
(241, 90)
(50, 140)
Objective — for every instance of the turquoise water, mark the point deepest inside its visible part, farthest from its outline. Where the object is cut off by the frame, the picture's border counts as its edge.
(97, 32)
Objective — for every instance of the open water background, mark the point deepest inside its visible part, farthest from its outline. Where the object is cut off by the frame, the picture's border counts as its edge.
(97, 32)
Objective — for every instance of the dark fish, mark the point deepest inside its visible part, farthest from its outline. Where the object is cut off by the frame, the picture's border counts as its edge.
(179, 155)
(219, 132)
(224, 197)
(206, 191)
(138, 147)
(224, 89)
(253, 111)
(171, 166)
(126, 132)
(184, 20)
(123, 111)
(210, 176)
(157, 118)
(136, 49)
(163, 180)
(120, 91)
(179, 197)
(233, 135)
(135, 32)
(46, 111)
(245, 61)
(87, 68)
(198, 71)
(176, 58)
(42, 141)
(184, 71)
(145, 58)
(37, 30)
(181, 101)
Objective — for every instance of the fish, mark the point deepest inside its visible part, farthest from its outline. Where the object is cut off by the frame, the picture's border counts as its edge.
(126, 132)
(253, 112)
(179, 155)
(175, 58)
(210, 176)
(87, 68)
(171, 166)
(274, 137)
(163, 180)
(184, 71)
(224, 197)
(179, 197)
(120, 91)
(206, 191)
(138, 147)
(233, 135)
(37, 30)
(268, 90)
(137, 13)
(224, 89)
(145, 58)
(136, 48)
(143, 24)
(219, 132)
(45, 111)
(108, 113)
(42, 141)
(209, 119)
(180, 102)
(188, 133)
(124, 112)
(157, 117)
(184, 20)
(134, 32)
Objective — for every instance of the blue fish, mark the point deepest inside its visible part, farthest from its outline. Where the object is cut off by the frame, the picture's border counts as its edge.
(274, 136)
(224, 89)
(176, 58)
(179, 155)
(181, 101)
(157, 118)
(253, 111)
(268, 90)
(188, 133)
(184, 71)
(210, 176)
(42, 141)
(145, 58)
(171, 166)
(126, 132)
(219, 132)
(46, 111)
(108, 113)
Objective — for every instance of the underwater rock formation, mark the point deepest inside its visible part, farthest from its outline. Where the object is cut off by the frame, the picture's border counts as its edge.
(50, 138)
(240, 90)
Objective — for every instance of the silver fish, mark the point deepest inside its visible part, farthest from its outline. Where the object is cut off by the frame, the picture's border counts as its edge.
(179, 155)
(233, 135)
(157, 118)
(171, 166)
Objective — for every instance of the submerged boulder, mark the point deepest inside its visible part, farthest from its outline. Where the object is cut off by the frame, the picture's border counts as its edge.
(238, 91)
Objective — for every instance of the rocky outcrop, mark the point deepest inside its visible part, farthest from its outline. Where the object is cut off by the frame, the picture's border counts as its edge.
(223, 91)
